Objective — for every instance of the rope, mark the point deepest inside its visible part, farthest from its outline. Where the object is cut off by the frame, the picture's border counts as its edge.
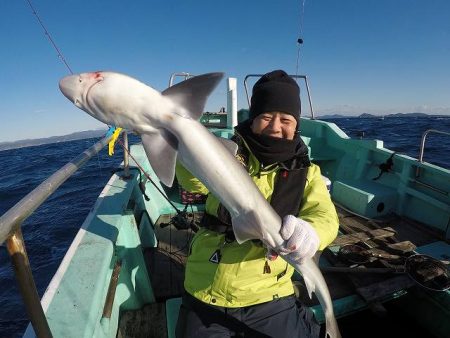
(49, 37)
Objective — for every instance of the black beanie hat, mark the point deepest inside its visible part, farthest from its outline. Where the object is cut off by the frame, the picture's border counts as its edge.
(276, 91)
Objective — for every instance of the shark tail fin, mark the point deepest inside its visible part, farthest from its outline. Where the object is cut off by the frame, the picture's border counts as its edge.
(332, 330)
(192, 93)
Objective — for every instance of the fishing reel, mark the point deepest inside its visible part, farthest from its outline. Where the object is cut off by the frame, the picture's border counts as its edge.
(183, 220)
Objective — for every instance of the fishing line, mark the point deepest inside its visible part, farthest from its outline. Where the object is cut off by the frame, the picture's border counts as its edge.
(176, 255)
(148, 177)
(60, 55)
(300, 36)
(99, 165)
(58, 51)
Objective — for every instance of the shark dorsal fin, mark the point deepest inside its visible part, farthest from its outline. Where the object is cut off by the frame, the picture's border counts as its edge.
(192, 93)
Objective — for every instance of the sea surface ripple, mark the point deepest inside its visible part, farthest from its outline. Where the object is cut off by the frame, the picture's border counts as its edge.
(50, 230)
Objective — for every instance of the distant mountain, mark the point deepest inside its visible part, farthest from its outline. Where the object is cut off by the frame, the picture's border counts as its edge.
(53, 139)
(369, 116)
(366, 115)
(333, 116)
(408, 115)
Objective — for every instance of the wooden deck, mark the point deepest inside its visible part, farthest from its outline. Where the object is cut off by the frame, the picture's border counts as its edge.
(386, 243)
(390, 241)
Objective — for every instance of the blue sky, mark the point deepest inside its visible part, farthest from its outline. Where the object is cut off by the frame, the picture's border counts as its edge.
(380, 56)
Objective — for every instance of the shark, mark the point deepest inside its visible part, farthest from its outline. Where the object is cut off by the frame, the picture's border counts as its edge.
(168, 125)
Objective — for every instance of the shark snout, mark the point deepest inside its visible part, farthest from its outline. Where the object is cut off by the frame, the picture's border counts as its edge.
(76, 87)
(69, 86)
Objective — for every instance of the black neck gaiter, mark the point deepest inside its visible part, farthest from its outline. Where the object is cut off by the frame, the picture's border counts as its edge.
(269, 150)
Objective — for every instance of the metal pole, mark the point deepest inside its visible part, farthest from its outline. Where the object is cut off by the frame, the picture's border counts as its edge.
(232, 118)
(309, 98)
(15, 216)
(126, 165)
(182, 74)
(422, 143)
(422, 146)
(10, 231)
(21, 264)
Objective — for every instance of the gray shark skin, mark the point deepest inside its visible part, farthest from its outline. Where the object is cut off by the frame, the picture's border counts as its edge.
(168, 125)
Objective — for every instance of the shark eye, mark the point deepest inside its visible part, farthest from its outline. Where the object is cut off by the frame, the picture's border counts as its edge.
(80, 79)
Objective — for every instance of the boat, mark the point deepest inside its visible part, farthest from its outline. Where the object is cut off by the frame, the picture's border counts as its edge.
(122, 276)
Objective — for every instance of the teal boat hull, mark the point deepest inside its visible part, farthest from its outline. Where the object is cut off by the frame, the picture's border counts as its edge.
(121, 226)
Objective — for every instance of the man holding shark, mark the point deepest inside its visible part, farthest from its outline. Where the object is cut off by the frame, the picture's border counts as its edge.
(234, 284)
(245, 289)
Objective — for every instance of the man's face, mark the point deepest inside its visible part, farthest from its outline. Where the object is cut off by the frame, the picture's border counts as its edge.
(275, 124)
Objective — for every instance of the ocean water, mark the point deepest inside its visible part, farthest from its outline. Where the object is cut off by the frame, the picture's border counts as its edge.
(403, 135)
(50, 230)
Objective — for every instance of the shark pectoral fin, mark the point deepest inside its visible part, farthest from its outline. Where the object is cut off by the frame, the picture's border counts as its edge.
(161, 150)
(230, 145)
(192, 93)
(246, 227)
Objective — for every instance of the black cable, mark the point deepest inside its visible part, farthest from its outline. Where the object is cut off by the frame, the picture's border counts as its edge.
(148, 176)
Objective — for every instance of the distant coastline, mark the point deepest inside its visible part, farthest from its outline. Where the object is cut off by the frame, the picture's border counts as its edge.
(100, 132)
(366, 115)
(53, 139)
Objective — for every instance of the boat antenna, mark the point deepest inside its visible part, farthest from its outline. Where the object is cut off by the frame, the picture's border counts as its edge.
(300, 35)
(60, 55)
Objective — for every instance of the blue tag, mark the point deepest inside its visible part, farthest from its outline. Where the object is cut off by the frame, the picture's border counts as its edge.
(110, 131)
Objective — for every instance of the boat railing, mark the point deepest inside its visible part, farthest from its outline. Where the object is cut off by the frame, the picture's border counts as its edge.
(420, 159)
(293, 76)
(424, 136)
(11, 233)
(185, 75)
(232, 119)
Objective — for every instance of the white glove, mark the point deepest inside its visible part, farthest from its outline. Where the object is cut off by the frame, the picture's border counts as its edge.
(301, 239)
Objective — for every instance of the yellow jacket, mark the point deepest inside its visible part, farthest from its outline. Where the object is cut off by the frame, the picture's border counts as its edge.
(241, 277)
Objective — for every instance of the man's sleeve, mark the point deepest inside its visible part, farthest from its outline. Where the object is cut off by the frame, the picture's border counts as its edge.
(188, 182)
(318, 209)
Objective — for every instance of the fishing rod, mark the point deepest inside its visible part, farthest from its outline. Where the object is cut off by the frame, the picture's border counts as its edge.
(60, 55)
(180, 220)
(180, 214)
(148, 176)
